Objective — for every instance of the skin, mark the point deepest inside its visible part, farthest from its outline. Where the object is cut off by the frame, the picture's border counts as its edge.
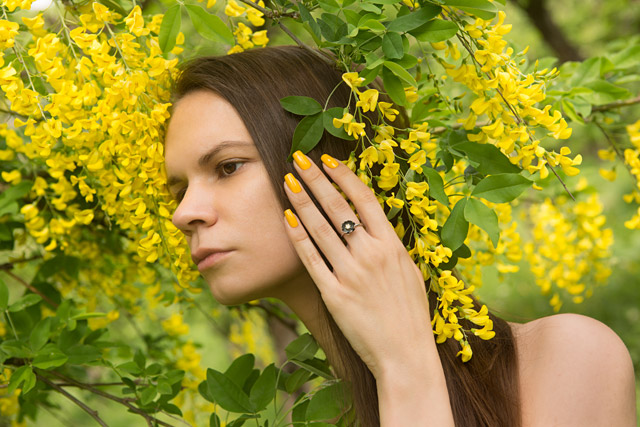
(573, 369)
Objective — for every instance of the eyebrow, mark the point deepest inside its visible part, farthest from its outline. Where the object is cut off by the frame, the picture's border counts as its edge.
(206, 157)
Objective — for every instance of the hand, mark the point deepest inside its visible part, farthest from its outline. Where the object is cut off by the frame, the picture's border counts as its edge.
(375, 293)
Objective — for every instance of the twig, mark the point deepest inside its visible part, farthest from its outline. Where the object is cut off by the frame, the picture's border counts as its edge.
(267, 12)
(616, 104)
(32, 289)
(93, 413)
(319, 53)
(110, 396)
(9, 265)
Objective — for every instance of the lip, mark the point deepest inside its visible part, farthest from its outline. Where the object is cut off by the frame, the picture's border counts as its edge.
(212, 259)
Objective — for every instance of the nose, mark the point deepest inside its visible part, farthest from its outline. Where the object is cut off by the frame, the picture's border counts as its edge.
(196, 209)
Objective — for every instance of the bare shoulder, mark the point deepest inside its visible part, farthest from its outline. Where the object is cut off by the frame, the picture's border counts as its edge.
(574, 371)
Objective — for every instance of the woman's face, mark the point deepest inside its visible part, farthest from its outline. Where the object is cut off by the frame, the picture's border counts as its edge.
(226, 202)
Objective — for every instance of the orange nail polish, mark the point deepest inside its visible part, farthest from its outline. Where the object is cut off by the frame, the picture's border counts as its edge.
(292, 183)
(301, 160)
(291, 218)
(329, 161)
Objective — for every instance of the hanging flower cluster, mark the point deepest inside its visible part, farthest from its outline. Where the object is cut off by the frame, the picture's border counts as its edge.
(632, 161)
(507, 98)
(245, 36)
(569, 248)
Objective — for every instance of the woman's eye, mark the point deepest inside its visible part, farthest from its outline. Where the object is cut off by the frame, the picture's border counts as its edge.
(227, 169)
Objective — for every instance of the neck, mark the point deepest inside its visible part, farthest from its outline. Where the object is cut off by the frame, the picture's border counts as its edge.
(302, 296)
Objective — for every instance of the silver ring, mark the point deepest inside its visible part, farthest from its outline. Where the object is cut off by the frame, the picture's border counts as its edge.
(348, 227)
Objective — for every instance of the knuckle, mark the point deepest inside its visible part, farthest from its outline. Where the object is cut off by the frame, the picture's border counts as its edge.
(334, 205)
(325, 230)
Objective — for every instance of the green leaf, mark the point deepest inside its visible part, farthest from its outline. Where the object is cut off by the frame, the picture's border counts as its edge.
(264, 389)
(392, 45)
(489, 158)
(501, 188)
(226, 393)
(82, 316)
(9, 197)
(414, 19)
(484, 217)
(326, 404)
(302, 348)
(51, 359)
(605, 92)
(147, 395)
(330, 6)
(305, 15)
(81, 354)
(301, 105)
(480, 8)
(436, 185)
(23, 375)
(4, 295)
(626, 58)
(24, 302)
(214, 420)
(139, 359)
(209, 26)
(436, 30)
(373, 25)
(169, 28)
(164, 387)
(240, 369)
(40, 334)
(401, 72)
(315, 366)
(393, 86)
(296, 380)
(307, 134)
(327, 121)
(455, 229)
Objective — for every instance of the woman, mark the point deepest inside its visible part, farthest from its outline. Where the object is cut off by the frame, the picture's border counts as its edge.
(359, 293)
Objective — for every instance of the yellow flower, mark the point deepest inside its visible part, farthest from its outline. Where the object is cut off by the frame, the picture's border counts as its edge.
(411, 94)
(233, 9)
(259, 38)
(387, 111)
(135, 22)
(393, 202)
(367, 100)
(14, 177)
(352, 79)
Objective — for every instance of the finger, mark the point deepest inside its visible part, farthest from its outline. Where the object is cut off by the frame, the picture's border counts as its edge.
(320, 273)
(361, 196)
(316, 225)
(332, 202)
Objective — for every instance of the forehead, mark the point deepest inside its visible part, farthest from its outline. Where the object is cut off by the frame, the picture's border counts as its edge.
(202, 125)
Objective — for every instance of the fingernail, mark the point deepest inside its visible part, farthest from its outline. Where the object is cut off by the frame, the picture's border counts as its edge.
(291, 218)
(292, 183)
(329, 161)
(301, 160)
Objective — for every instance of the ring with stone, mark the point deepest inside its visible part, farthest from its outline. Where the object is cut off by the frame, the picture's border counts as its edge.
(348, 226)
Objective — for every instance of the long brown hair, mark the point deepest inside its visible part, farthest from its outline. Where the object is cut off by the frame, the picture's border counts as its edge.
(483, 391)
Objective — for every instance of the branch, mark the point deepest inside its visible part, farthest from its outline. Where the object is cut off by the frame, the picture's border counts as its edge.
(93, 413)
(32, 289)
(110, 396)
(9, 265)
(616, 104)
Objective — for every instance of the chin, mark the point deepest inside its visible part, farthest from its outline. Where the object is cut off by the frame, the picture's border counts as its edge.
(234, 296)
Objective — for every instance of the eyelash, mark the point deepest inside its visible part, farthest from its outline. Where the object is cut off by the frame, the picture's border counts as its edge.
(219, 170)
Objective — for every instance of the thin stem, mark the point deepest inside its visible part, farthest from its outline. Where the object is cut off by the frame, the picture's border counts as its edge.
(32, 289)
(616, 104)
(13, 328)
(110, 396)
(93, 413)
